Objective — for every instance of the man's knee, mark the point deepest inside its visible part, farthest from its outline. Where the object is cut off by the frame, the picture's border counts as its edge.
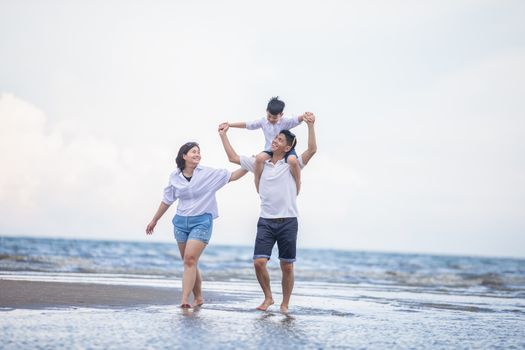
(286, 267)
(260, 263)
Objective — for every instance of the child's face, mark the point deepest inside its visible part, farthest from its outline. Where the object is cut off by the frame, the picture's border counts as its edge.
(273, 118)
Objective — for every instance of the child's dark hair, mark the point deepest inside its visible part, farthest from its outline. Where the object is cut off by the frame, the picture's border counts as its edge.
(291, 140)
(275, 106)
(181, 163)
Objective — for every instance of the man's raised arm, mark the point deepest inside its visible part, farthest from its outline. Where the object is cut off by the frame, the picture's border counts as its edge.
(230, 152)
(309, 118)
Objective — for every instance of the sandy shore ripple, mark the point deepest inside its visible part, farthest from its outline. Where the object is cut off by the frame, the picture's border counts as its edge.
(36, 294)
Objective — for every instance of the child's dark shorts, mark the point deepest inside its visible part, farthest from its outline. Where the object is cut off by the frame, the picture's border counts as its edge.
(289, 153)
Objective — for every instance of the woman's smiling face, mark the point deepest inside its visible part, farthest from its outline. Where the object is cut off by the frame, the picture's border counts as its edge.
(193, 157)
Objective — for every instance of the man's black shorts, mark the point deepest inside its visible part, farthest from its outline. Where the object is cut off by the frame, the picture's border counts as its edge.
(283, 231)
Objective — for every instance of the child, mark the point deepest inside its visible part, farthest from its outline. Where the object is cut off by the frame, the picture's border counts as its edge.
(271, 125)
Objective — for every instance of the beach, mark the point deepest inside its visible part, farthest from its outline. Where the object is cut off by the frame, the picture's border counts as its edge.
(55, 314)
(116, 295)
(36, 294)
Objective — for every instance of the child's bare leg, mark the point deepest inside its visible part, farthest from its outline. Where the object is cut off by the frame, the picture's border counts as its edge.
(295, 169)
(259, 166)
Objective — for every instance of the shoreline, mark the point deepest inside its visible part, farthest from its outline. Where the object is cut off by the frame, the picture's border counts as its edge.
(16, 294)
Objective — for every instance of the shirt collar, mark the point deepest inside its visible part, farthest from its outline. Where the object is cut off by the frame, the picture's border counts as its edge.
(199, 168)
(269, 161)
(268, 122)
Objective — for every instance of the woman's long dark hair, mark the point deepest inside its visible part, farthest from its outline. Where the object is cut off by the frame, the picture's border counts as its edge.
(181, 163)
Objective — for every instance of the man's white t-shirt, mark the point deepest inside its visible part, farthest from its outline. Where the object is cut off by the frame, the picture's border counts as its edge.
(277, 188)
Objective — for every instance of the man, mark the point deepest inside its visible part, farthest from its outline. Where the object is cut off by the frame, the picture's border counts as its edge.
(278, 217)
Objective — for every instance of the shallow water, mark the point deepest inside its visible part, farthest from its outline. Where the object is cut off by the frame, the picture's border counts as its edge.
(323, 315)
(341, 300)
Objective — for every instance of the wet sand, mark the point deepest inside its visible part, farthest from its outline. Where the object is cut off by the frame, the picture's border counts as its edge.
(36, 294)
(71, 315)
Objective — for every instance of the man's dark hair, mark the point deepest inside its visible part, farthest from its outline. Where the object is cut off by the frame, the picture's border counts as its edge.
(181, 163)
(291, 140)
(275, 106)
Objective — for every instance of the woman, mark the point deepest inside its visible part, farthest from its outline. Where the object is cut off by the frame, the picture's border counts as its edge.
(194, 186)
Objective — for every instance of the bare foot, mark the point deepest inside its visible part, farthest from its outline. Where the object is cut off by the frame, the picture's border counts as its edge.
(198, 302)
(265, 305)
(185, 304)
(284, 309)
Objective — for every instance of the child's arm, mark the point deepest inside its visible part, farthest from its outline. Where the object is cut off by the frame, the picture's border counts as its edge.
(308, 117)
(241, 125)
(252, 125)
(289, 123)
(305, 117)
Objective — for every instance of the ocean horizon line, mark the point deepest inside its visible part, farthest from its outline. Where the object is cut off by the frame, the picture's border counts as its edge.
(308, 248)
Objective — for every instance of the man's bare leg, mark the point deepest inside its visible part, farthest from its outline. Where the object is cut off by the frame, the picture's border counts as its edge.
(287, 284)
(264, 281)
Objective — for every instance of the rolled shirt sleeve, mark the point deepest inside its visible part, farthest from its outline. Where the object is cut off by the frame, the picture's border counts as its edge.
(247, 163)
(255, 124)
(300, 160)
(169, 194)
(289, 122)
(217, 178)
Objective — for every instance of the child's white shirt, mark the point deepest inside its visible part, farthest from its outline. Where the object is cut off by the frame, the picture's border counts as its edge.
(270, 130)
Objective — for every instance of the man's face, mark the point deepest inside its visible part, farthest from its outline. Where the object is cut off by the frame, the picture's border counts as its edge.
(273, 118)
(279, 144)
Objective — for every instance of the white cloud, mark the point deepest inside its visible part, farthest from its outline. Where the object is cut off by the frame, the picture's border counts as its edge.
(67, 183)
(420, 116)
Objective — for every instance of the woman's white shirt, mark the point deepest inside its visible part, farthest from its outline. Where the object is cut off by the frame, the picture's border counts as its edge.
(196, 197)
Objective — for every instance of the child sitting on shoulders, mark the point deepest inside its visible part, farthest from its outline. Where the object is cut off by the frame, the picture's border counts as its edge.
(271, 125)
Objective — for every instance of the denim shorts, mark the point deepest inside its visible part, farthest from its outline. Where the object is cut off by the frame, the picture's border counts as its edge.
(283, 231)
(193, 227)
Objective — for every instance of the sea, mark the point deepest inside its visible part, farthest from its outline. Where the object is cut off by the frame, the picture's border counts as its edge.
(341, 299)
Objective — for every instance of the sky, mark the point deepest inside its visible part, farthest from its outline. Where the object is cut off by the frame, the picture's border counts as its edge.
(420, 109)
